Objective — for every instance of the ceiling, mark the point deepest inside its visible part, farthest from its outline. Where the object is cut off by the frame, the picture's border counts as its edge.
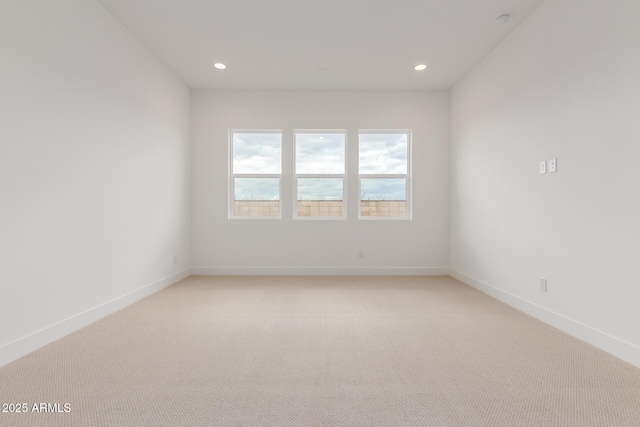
(320, 44)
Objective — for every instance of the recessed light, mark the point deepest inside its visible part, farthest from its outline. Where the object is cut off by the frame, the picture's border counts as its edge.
(219, 65)
(503, 19)
(420, 67)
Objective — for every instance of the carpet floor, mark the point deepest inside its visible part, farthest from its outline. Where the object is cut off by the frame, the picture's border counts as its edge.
(320, 351)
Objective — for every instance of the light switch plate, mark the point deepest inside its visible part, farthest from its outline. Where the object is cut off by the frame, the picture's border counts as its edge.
(543, 167)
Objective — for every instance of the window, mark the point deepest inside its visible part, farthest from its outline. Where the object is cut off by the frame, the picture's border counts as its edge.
(319, 182)
(384, 174)
(256, 174)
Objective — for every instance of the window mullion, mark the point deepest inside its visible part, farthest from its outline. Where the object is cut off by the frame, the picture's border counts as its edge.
(387, 175)
(308, 175)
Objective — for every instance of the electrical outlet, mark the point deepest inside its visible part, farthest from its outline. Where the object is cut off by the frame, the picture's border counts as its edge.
(553, 165)
(543, 166)
(543, 285)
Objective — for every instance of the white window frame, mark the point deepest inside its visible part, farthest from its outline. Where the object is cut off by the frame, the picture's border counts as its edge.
(233, 175)
(296, 175)
(406, 176)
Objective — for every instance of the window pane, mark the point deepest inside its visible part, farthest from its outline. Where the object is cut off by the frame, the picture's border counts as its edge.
(320, 188)
(383, 153)
(320, 197)
(318, 153)
(257, 153)
(256, 189)
(383, 197)
(256, 197)
(383, 189)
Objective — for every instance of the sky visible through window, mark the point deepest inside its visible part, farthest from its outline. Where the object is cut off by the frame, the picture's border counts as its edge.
(257, 153)
(383, 189)
(383, 154)
(321, 153)
(319, 188)
(256, 188)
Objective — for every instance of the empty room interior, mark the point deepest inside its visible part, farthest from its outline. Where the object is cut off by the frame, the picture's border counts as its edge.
(320, 213)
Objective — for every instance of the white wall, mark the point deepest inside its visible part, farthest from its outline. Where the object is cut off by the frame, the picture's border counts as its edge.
(221, 245)
(565, 84)
(94, 180)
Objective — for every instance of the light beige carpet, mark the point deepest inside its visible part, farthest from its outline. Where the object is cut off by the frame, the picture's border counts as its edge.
(322, 351)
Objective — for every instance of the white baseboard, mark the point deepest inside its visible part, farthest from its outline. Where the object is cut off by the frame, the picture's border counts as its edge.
(320, 271)
(612, 345)
(38, 339)
(25, 345)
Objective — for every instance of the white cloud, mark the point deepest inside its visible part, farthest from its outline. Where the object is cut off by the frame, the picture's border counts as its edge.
(320, 153)
(257, 153)
(383, 153)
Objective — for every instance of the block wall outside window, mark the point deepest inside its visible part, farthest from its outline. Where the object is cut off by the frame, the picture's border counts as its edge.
(256, 208)
(312, 208)
(383, 208)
